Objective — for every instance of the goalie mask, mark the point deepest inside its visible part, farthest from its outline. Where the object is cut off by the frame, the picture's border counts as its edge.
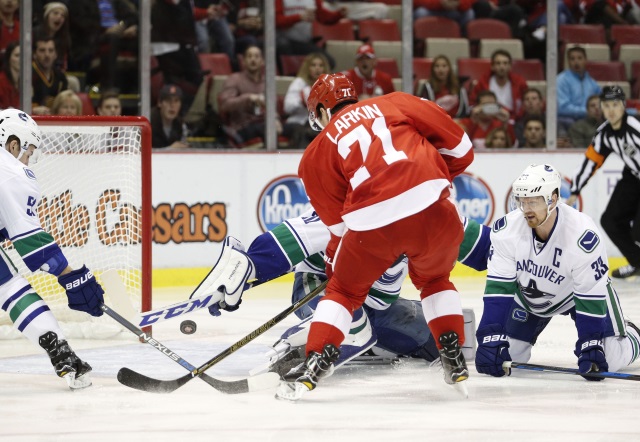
(329, 90)
(537, 180)
(21, 125)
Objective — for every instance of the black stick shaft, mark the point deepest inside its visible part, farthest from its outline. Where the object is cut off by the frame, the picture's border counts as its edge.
(575, 371)
(231, 387)
(260, 330)
(141, 382)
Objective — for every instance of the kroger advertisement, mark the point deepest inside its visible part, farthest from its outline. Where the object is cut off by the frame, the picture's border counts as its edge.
(199, 198)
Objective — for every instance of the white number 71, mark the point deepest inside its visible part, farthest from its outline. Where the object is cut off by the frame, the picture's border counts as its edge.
(363, 137)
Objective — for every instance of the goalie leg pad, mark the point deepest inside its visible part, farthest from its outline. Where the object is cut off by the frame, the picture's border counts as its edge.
(361, 338)
(231, 274)
(469, 346)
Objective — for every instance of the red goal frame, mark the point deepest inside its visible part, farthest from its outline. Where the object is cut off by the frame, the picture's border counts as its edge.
(145, 177)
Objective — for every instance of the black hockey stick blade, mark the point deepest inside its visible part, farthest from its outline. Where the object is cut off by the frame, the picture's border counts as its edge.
(230, 387)
(575, 371)
(139, 381)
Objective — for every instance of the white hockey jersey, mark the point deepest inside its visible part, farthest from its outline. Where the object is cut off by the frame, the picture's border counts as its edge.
(19, 222)
(549, 278)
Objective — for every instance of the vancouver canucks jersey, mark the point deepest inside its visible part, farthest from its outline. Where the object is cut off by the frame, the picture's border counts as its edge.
(19, 222)
(299, 244)
(549, 278)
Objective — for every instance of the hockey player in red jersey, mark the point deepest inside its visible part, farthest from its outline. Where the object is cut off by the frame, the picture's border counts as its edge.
(378, 176)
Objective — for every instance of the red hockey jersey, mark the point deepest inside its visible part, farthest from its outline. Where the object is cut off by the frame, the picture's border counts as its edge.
(381, 160)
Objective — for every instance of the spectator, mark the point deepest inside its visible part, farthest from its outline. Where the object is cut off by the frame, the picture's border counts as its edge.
(537, 13)
(532, 105)
(498, 138)
(111, 26)
(293, 25)
(582, 131)
(242, 102)
(174, 22)
(10, 77)
(297, 128)
(534, 132)
(167, 127)
(359, 10)
(458, 10)
(486, 116)
(55, 24)
(109, 104)
(48, 81)
(9, 23)
(248, 24)
(214, 33)
(574, 87)
(608, 12)
(368, 81)
(507, 11)
(444, 89)
(508, 87)
(67, 103)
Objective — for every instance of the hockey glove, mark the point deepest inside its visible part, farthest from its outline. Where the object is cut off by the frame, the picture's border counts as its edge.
(493, 350)
(591, 356)
(329, 254)
(83, 291)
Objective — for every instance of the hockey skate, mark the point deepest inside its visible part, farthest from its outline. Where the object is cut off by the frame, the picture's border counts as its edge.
(65, 362)
(625, 272)
(453, 362)
(305, 377)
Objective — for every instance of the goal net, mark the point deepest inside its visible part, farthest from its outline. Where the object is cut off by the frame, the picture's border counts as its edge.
(94, 174)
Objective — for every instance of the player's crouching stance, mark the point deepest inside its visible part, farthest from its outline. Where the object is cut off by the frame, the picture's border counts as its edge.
(19, 197)
(550, 262)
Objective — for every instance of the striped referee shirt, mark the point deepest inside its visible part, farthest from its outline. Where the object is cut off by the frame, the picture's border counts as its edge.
(625, 142)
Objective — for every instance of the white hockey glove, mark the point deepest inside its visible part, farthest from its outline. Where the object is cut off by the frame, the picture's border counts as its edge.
(231, 276)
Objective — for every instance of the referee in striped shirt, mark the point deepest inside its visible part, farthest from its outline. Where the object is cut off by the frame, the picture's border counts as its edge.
(619, 134)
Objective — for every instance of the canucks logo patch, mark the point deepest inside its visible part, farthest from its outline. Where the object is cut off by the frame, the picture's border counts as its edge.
(589, 241)
(519, 315)
(500, 224)
(29, 173)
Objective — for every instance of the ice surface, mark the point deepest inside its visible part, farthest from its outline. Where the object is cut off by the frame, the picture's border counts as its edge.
(377, 403)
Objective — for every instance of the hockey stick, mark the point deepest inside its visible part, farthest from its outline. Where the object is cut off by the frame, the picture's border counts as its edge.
(139, 381)
(575, 371)
(191, 304)
(254, 383)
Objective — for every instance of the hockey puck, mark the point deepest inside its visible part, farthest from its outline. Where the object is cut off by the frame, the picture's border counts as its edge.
(188, 327)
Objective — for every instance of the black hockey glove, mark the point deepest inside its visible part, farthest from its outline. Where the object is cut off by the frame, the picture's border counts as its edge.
(591, 358)
(83, 291)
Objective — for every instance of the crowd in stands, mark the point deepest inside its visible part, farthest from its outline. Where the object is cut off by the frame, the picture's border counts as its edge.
(480, 60)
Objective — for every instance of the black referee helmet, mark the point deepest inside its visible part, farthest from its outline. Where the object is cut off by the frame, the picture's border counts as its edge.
(612, 93)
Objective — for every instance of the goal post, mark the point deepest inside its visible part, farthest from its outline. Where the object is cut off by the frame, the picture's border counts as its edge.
(94, 175)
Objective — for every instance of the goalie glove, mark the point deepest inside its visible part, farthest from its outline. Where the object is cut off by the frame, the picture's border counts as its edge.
(493, 350)
(230, 276)
(83, 291)
(591, 357)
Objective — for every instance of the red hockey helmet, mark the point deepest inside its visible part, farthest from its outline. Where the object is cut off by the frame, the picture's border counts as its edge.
(329, 90)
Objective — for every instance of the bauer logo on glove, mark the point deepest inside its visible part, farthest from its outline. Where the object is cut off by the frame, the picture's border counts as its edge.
(78, 282)
(83, 291)
(494, 338)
